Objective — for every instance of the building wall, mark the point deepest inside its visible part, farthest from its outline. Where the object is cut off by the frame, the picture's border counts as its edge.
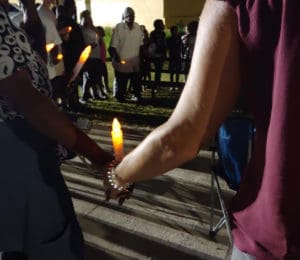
(182, 12)
(109, 12)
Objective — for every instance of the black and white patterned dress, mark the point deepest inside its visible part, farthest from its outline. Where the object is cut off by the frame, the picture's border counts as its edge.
(37, 215)
(15, 53)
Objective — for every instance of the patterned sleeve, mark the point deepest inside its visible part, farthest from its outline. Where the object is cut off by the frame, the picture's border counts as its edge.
(16, 53)
(12, 46)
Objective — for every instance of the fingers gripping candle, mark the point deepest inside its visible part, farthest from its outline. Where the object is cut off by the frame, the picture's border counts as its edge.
(117, 140)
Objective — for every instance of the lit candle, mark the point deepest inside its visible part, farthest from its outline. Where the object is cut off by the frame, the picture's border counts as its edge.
(117, 140)
(85, 54)
(81, 61)
(123, 62)
(49, 46)
(59, 56)
(69, 29)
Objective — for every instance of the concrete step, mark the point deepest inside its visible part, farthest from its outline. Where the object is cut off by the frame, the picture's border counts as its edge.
(128, 233)
(165, 216)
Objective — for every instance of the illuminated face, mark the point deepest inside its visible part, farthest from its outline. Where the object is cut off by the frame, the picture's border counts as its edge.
(128, 16)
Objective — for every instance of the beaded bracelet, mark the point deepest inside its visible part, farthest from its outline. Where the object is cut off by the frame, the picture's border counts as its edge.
(112, 177)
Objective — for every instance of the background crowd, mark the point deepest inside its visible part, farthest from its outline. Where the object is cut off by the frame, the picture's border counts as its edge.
(133, 58)
(234, 58)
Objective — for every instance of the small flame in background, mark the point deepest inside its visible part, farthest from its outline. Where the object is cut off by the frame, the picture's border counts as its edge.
(59, 56)
(85, 54)
(69, 29)
(49, 46)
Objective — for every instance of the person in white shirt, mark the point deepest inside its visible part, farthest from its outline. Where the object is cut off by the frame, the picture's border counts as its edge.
(126, 42)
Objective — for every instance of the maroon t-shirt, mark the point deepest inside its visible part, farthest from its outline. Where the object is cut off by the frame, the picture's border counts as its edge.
(266, 210)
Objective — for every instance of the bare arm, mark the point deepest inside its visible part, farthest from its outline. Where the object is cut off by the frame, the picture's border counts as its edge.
(208, 96)
(44, 116)
(114, 54)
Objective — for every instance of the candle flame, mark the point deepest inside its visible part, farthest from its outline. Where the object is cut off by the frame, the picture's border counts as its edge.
(59, 57)
(69, 29)
(123, 62)
(85, 54)
(117, 140)
(49, 46)
(116, 125)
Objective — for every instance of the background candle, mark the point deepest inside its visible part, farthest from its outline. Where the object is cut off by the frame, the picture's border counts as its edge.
(81, 61)
(117, 140)
(49, 47)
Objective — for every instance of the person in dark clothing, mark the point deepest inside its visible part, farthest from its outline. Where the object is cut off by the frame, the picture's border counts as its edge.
(158, 48)
(188, 44)
(73, 44)
(103, 67)
(145, 56)
(174, 48)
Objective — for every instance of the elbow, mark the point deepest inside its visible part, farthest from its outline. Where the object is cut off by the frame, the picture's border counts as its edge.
(179, 145)
(190, 151)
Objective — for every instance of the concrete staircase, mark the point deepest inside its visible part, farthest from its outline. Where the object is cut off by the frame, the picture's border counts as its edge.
(166, 218)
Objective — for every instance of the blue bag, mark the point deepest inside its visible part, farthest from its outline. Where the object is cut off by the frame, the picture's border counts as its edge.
(234, 142)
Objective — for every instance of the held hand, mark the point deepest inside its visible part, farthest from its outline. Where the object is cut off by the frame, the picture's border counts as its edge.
(104, 162)
(86, 147)
(94, 45)
(54, 56)
(113, 188)
(116, 58)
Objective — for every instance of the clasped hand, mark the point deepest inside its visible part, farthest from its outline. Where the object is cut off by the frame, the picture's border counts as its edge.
(113, 188)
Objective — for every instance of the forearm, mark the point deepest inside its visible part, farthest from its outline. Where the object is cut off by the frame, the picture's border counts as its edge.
(162, 150)
(113, 53)
(208, 96)
(42, 114)
(37, 108)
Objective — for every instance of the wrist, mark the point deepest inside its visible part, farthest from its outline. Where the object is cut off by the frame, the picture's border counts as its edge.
(119, 180)
(115, 181)
(89, 149)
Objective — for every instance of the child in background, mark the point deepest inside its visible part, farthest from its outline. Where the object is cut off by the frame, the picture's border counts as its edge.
(145, 57)
(104, 73)
(174, 48)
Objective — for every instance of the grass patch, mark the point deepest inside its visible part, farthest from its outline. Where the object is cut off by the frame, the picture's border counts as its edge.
(152, 112)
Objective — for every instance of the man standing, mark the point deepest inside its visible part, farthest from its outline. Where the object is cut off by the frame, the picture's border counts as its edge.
(124, 49)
